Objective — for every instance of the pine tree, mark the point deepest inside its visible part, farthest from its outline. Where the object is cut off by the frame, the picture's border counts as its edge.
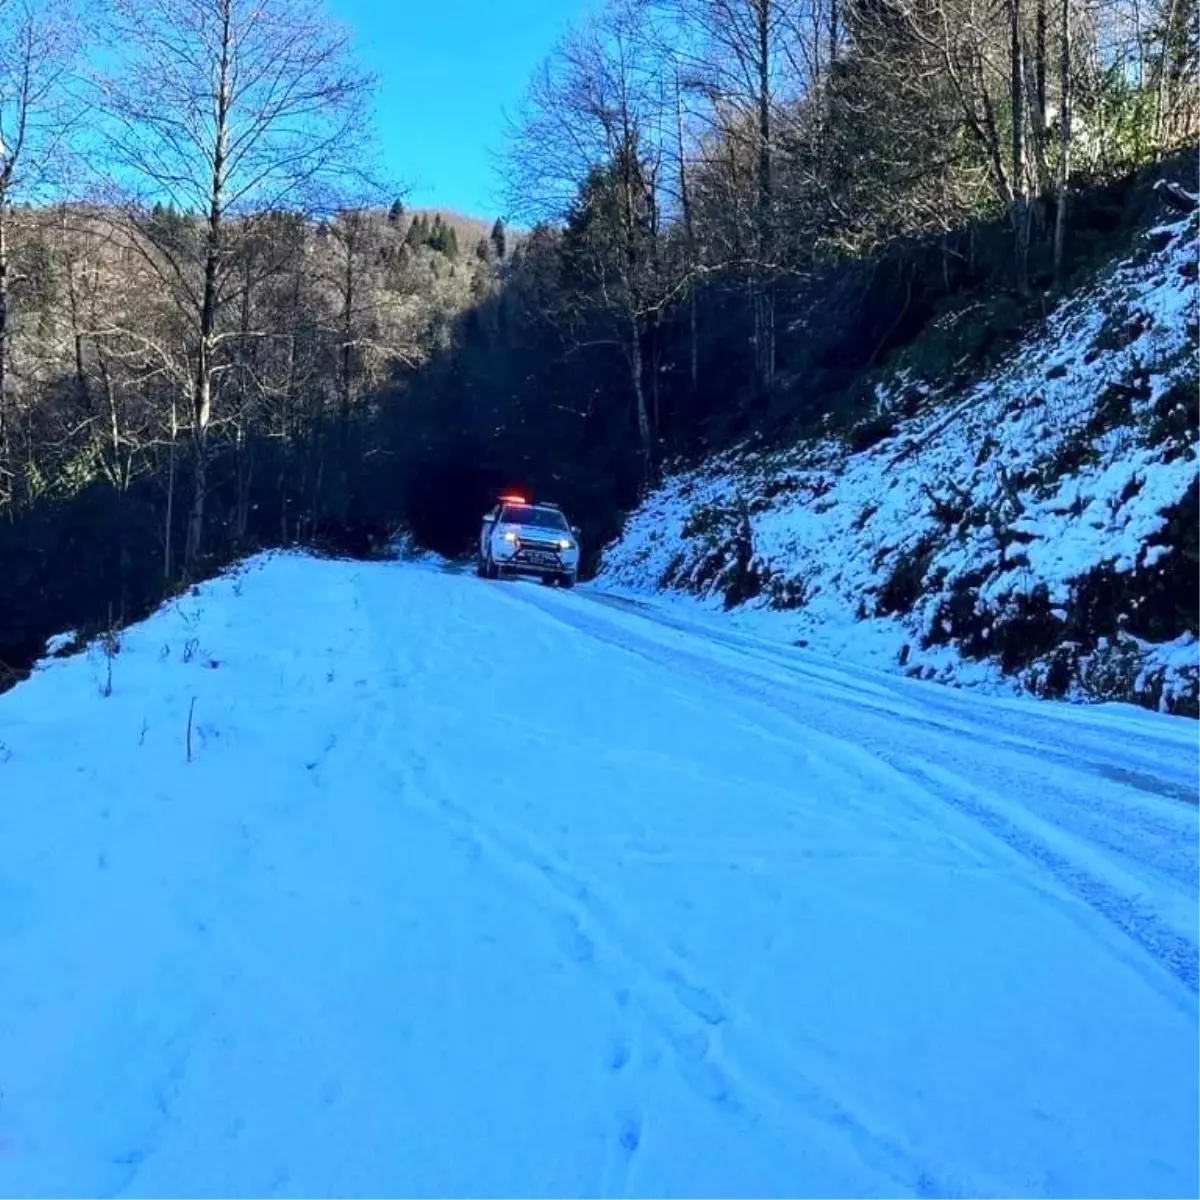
(415, 237)
(449, 242)
(437, 235)
(395, 212)
(499, 238)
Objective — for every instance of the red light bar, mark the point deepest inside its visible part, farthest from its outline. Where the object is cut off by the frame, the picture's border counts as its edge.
(513, 500)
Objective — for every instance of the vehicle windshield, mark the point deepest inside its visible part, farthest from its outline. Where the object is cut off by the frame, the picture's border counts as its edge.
(528, 514)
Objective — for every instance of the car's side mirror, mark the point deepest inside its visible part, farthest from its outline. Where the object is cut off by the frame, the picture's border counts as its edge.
(577, 532)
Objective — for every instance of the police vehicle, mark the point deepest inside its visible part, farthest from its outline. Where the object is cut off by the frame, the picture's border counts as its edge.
(523, 538)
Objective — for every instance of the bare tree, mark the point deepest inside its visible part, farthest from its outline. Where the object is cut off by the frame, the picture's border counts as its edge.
(1017, 84)
(590, 150)
(691, 247)
(228, 110)
(973, 52)
(38, 45)
(745, 61)
(368, 330)
(1064, 134)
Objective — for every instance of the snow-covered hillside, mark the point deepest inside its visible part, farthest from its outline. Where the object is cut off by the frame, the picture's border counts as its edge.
(345, 879)
(1036, 531)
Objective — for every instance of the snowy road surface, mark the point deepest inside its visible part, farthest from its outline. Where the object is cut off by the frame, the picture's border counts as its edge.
(486, 889)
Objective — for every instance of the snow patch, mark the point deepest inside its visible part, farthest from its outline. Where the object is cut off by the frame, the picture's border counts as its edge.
(982, 514)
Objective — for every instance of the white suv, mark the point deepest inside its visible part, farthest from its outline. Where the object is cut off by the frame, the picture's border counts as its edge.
(520, 538)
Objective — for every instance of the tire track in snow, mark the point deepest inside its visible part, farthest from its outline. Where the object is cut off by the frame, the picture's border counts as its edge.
(1067, 861)
(691, 1017)
(722, 1062)
(947, 710)
(1171, 949)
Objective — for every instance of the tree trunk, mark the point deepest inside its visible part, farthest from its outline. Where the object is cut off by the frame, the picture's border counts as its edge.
(169, 522)
(764, 306)
(655, 337)
(1020, 207)
(202, 413)
(244, 468)
(645, 434)
(1035, 106)
(202, 390)
(633, 295)
(689, 232)
(693, 333)
(82, 387)
(119, 475)
(1160, 84)
(4, 331)
(345, 375)
(1064, 146)
(1040, 60)
(764, 335)
(242, 460)
(286, 417)
(114, 418)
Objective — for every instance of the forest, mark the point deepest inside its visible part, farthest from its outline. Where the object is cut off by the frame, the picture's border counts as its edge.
(221, 331)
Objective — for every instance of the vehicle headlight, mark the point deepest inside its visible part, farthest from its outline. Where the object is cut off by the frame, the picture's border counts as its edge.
(511, 537)
(566, 544)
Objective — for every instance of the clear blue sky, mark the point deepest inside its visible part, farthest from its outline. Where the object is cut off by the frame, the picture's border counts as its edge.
(448, 70)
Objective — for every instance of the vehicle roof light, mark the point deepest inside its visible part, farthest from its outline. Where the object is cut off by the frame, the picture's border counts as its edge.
(514, 499)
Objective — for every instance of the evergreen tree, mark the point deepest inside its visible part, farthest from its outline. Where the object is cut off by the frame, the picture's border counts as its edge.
(415, 237)
(499, 238)
(437, 235)
(449, 242)
(395, 212)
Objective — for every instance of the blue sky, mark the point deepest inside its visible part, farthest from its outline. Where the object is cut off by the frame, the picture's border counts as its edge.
(447, 73)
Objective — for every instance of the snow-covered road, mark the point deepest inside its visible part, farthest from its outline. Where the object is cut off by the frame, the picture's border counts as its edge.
(486, 889)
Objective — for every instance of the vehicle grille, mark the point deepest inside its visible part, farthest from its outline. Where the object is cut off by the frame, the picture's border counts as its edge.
(538, 554)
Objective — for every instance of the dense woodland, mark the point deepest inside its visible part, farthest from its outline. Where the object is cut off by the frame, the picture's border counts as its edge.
(219, 331)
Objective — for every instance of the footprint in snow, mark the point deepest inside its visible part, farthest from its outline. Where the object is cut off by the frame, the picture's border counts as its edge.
(469, 843)
(696, 999)
(618, 1055)
(630, 1132)
(575, 943)
(690, 1046)
(713, 1084)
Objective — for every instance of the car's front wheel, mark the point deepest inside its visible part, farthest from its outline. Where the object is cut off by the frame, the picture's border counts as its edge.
(567, 580)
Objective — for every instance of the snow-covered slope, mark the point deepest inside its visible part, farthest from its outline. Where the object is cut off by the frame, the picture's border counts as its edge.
(1034, 531)
(376, 879)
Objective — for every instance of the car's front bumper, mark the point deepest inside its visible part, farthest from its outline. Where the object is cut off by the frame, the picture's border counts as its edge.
(537, 562)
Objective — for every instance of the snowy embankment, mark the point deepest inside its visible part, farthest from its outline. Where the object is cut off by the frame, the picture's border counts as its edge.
(379, 879)
(1035, 532)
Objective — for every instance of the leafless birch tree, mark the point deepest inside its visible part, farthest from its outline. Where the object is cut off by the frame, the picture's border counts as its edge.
(592, 143)
(38, 46)
(227, 110)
